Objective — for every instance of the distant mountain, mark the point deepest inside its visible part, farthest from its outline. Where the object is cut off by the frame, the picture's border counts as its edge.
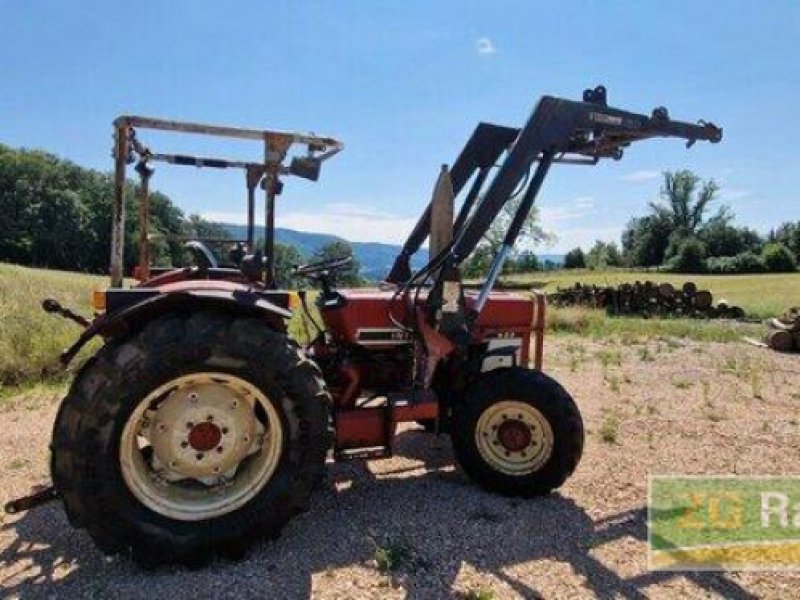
(375, 258)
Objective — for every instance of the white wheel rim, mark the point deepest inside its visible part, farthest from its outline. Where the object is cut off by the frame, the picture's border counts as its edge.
(514, 438)
(200, 446)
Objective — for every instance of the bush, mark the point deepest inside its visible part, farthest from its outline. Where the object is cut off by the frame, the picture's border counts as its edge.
(603, 255)
(749, 262)
(778, 258)
(746, 262)
(689, 257)
(574, 259)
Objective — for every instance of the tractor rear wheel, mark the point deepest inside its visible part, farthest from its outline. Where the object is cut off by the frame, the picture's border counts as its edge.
(517, 432)
(191, 438)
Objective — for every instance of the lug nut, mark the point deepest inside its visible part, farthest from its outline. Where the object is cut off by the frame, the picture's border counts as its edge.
(224, 431)
(246, 439)
(210, 418)
(189, 425)
(219, 449)
(234, 404)
(199, 456)
(193, 397)
(184, 444)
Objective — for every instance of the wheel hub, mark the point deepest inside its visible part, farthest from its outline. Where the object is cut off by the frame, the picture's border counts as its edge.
(205, 436)
(202, 431)
(514, 435)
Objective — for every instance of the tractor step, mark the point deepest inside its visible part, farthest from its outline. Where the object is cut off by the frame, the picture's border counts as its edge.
(362, 453)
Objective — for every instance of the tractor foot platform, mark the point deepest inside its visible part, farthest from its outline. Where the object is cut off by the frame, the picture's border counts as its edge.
(362, 453)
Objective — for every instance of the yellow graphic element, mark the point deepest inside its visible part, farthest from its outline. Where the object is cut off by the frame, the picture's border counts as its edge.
(722, 509)
(740, 555)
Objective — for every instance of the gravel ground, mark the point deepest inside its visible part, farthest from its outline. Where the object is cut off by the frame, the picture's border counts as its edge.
(673, 407)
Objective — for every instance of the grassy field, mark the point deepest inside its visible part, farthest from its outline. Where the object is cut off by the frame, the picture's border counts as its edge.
(761, 296)
(30, 340)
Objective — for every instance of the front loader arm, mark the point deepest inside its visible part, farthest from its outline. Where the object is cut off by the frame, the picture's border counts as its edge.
(558, 130)
(562, 130)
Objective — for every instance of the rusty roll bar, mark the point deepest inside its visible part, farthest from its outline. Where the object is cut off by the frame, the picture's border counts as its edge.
(276, 147)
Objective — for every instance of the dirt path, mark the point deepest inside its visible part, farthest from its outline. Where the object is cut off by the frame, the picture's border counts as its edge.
(661, 407)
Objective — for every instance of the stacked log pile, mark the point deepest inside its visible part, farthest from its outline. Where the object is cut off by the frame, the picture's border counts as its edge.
(647, 299)
(784, 333)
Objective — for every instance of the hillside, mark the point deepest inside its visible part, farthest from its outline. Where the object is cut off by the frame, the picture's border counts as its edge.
(376, 258)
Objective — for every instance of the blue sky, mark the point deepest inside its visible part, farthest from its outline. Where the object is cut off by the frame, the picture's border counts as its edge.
(403, 84)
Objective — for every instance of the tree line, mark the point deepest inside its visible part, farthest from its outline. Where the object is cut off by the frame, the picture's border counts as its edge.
(56, 214)
(681, 234)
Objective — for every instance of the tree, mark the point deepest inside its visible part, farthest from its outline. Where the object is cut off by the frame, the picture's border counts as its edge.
(603, 255)
(56, 214)
(348, 275)
(778, 258)
(645, 240)
(723, 239)
(527, 261)
(287, 257)
(689, 257)
(478, 262)
(788, 234)
(531, 234)
(575, 259)
(684, 204)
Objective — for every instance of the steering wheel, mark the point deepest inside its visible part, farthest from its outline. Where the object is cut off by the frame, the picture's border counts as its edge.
(323, 268)
(202, 255)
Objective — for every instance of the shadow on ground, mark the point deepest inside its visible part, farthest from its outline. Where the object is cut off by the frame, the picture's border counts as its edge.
(438, 518)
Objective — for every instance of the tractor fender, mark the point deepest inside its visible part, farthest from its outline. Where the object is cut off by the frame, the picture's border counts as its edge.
(133, 317)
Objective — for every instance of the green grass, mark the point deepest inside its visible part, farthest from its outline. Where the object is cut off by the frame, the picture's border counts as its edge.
(760, 295)
(596, 324)
(609, 430)
(30, 339)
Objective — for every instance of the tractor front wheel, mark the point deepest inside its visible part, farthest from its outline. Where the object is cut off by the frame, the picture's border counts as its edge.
(191, 438)
(517, 432)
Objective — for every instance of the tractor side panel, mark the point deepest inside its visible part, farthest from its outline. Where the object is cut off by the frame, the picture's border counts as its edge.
(364, 319)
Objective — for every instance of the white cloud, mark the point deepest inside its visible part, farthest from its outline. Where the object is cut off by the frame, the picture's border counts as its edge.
(641, 176)
(349, 221)
(485, 47)
(575, 209)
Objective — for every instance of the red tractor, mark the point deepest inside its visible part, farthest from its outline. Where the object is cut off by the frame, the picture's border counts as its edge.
(200, 425)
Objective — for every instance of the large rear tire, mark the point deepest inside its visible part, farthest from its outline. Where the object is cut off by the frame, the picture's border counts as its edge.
(194, 437)
(517, 432)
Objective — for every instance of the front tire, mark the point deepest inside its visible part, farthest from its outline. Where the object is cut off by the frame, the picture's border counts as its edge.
(194, 437)
(517, 433)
